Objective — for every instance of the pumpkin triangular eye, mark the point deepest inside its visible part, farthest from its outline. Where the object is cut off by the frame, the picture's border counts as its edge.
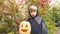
(26, 25)
(22, 25)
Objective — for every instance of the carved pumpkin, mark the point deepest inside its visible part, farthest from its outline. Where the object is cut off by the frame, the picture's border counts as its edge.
(25, 27)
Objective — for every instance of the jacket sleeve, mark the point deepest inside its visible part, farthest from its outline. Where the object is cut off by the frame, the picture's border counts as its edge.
(44, 29)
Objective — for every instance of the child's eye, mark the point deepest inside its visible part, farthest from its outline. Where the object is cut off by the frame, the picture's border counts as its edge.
(30, 10)
(34, 11)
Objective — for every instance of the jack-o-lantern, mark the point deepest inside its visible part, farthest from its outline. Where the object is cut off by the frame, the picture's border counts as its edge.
(25, 27)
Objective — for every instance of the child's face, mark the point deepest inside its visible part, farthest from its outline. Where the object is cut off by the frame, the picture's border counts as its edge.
(33, 12)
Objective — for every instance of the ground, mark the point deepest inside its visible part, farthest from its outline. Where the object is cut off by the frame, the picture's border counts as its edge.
(57, 31)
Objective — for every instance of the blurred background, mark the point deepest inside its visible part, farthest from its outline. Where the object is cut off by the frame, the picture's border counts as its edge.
(12, 12)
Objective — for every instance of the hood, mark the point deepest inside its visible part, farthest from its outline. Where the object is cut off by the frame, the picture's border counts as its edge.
(36, 14)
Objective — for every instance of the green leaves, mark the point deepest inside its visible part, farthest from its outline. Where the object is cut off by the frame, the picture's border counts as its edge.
(8, 26)
(3, 27)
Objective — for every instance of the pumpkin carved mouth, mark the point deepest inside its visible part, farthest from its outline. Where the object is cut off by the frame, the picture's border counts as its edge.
(24, 30)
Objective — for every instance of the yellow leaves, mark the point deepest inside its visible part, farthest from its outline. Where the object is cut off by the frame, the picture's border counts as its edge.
(52, 30)
(10, 33)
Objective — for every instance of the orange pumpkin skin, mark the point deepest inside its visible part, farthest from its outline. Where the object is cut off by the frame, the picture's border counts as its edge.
(25, 27)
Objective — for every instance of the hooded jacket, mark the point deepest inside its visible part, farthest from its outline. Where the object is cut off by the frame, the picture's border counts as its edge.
(35, 28)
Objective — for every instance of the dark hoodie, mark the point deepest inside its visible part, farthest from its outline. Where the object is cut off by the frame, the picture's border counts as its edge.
(37, 25)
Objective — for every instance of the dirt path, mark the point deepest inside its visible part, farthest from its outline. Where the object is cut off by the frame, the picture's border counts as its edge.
(57, 31)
